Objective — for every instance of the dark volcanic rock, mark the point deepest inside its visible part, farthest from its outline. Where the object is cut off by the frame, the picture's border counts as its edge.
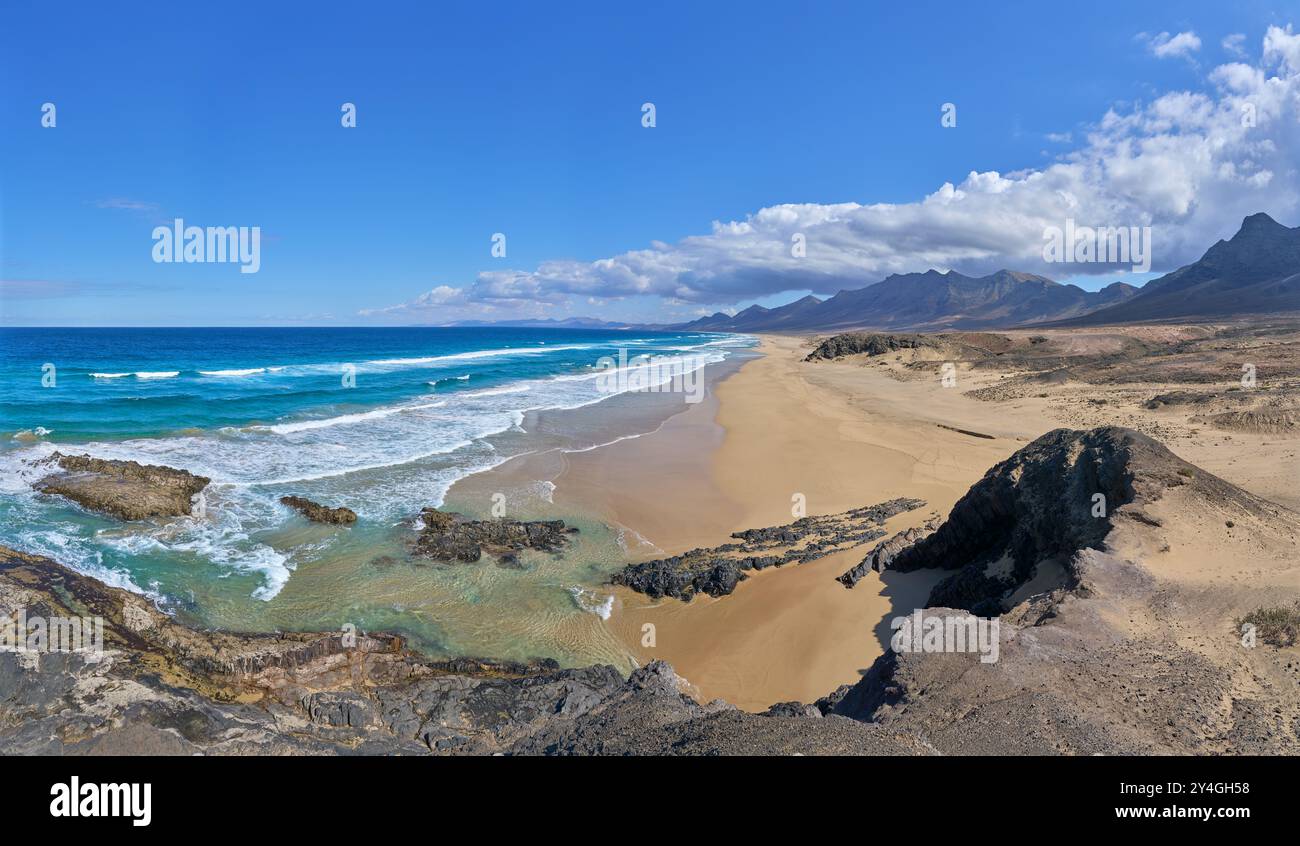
(318, 513)
(1052, 498)
(871, 343)
(882, 554)
(161, 688)
(453, 537)
(717, 571)
(127, 490)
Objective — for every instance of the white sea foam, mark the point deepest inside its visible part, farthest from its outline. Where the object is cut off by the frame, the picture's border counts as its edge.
(247, 371)
(333, 458)
(157, 374)
(108, 375)
(591, 602)
(476, 354)
(502, 391)
(345, 419)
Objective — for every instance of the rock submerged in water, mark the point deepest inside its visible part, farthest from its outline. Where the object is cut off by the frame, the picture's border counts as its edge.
(127, 490)
(318, 513)
(448, 536)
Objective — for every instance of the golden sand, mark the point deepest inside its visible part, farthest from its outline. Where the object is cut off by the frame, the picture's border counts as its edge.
(840, 435)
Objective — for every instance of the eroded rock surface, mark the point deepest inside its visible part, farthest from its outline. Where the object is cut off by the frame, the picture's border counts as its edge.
(447, 536)
(126, 490)
(882, 554)
(318, 513)
(718, 570)
(159, 687)
(869, 343)
(1130, 654)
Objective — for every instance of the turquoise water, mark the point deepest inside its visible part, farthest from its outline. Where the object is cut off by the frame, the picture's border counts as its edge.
(382, 421)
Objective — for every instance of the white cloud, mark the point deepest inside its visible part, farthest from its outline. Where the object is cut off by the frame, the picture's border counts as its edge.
(1186, 164)
(1282, 47)
(1233, 44)
(1166, 46)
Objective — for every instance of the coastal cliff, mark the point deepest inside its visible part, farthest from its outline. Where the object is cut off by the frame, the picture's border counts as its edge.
(1074, 673)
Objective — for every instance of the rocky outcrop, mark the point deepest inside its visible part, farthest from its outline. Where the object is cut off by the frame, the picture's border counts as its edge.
(446, 536)
(318, 513)
(718, 570)
(1100, 664)
(868, 343)
(1056, 496)
(1051, 499)
(883, 553)
(160, 688)
(126, 490)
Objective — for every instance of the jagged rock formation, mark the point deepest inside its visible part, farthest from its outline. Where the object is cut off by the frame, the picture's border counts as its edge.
(883, 553)
(318, 513)
(1051, 499)
(127, 490)
(1100, 663)
(447, 536)
(718, 570)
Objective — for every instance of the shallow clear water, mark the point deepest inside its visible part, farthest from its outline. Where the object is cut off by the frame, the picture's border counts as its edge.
(382, 421)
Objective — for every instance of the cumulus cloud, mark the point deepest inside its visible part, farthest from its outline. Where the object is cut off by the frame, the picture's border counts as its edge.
(1189, 164)
(1166, 46)
(1234, 44)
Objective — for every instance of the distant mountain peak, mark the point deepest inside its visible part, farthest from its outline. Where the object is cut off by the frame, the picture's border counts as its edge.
(1256, 271)
(1259, 222)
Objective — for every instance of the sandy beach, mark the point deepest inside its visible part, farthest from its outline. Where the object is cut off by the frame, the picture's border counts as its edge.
(778, 428)
(839, 435)
(840, 438)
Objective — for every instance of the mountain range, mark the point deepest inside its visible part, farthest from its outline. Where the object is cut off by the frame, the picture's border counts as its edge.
(928, 301)
(1257, 271)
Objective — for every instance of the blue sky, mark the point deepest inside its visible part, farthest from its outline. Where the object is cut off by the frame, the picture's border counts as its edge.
(474, 119)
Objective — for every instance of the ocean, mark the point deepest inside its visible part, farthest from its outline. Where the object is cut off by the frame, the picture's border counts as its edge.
(381, 420)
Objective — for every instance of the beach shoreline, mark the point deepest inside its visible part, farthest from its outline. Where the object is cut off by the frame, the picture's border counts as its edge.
(771, 434)
(836, 436)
